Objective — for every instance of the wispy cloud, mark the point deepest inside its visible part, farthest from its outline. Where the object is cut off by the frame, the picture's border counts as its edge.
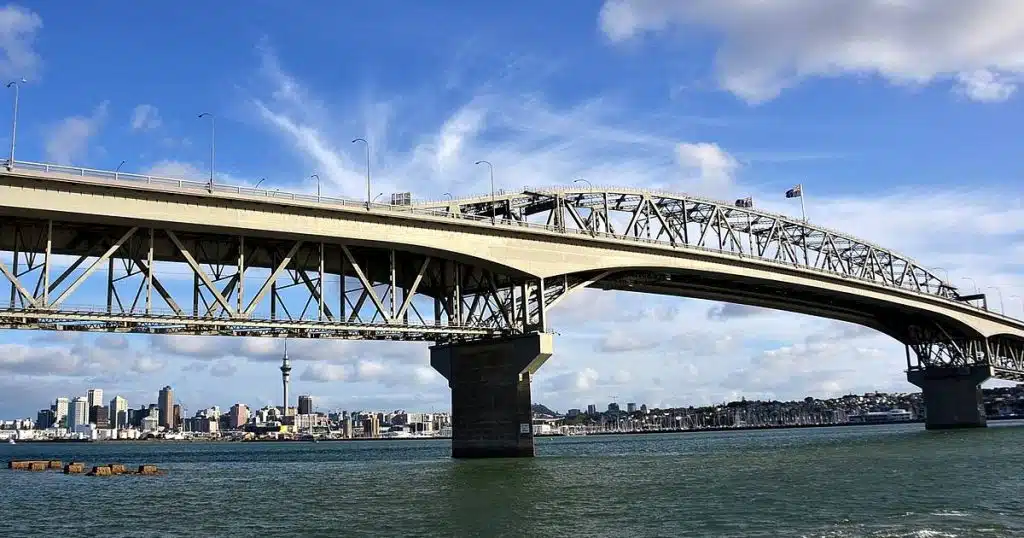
(145, 118)
(69, 138)
(18, 30)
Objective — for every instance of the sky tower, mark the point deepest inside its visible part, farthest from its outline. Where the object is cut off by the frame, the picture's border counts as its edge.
(286, 372)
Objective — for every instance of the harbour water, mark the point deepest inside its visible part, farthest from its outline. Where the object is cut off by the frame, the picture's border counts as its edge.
(879, 481)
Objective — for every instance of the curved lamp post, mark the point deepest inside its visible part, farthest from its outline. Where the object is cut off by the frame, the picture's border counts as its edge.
(213, 144)
(363, 140)
(14, 119)
(490, 167)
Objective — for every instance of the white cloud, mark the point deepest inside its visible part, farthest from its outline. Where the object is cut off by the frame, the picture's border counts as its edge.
(148, 365)
(766, 47)
(985, 86)
(713, 164)
(324, 373)
(176, 169)
(529, 141)
(18, 29)
(145, 118)
(69, 139)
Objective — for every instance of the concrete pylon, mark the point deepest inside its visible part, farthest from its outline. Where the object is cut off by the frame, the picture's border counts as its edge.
(952, 396)
(490, 382)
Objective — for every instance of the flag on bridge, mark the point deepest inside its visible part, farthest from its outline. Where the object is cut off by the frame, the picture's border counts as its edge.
(745, 202)
(795, 192)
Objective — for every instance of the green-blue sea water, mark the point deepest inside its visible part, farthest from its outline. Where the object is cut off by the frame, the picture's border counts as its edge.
(882, 481)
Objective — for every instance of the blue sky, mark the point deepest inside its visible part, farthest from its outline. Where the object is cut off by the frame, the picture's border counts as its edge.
(899, 118)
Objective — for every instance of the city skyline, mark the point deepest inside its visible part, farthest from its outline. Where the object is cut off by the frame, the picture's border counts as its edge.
(884, 146)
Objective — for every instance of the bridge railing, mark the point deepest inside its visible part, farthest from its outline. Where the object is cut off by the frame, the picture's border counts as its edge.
(193, 186)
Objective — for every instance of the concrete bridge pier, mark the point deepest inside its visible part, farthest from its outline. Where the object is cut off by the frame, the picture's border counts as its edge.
(490, 382)
(952, 396)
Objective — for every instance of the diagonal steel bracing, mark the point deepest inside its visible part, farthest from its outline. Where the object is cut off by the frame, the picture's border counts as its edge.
(155, 280)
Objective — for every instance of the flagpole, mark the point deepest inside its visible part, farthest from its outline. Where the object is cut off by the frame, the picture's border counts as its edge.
(803, 210)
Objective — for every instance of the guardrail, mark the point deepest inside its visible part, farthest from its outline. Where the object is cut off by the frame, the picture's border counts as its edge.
(191, 186)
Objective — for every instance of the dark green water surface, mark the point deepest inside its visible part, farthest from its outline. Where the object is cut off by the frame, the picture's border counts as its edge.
(857, 481)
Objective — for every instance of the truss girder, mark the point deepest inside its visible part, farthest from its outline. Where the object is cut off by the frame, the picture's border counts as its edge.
(684, 221)
(154, 280)
(935, 346)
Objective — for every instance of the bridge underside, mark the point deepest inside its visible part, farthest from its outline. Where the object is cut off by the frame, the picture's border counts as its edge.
(62, 275)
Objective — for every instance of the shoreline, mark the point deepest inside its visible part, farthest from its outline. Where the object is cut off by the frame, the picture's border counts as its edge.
(589, 434)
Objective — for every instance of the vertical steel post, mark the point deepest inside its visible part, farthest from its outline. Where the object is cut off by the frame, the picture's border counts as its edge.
(14, 269)
(46, 263)
(110, 284)
(320, 285)
(394, 285)
(149, 273)
(240, 296)
(341, 284)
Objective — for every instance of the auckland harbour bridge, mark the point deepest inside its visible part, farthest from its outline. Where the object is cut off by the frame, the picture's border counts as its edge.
(92, 250)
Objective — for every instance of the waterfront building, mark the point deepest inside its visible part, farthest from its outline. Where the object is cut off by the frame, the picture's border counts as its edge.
(371, 426)
(150, 424)
(78, 413)
(175, 416)
(99, 416)
(94, 397)
(239, 415)
(44, 419)
(305, 404)
(60, 412)
(165, 403)
(118, 412)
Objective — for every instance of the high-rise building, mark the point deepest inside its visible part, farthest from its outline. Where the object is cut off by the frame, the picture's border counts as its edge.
(239, 415)
(631, 407)
(305, 404)
(95, 397)
(78, 412)
(44, 419)
(371, 426)
(100, 416)
(118, 412)
(286, 373)
(165, 402)
(60, 412)
(176, 416)
(592, 409)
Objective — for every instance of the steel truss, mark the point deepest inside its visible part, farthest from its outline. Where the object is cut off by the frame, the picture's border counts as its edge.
(68, 276)
(683, 221)
(937, 347)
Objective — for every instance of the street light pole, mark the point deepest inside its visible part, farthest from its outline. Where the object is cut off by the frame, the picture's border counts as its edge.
(363, 140)
(118, 169)
(317, 185)
(262, 179)
(944, 272)
(490, 167)
(213, 144)
(972, 282)
(14, 119)
(999, 292)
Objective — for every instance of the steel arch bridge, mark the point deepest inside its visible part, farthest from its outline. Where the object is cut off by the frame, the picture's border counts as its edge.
(174, 256)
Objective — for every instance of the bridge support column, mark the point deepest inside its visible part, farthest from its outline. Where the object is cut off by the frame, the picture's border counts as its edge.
(952, 396)
(490, 382)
